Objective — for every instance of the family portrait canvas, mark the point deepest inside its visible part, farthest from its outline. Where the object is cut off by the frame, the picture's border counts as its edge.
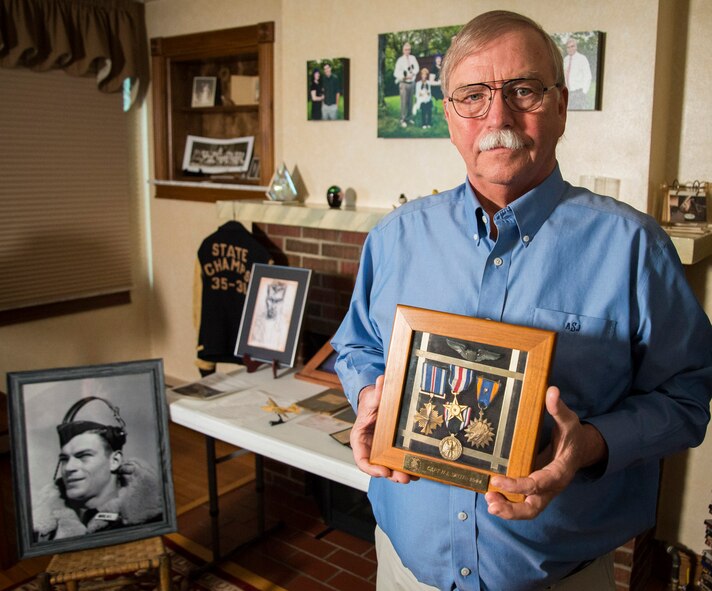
(91, 458)
(328, 89)
(410, 98)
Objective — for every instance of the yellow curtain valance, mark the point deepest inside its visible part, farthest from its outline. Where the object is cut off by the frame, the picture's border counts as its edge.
(102, 38)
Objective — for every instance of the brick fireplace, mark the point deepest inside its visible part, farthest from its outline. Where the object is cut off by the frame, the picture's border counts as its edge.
(333, 256)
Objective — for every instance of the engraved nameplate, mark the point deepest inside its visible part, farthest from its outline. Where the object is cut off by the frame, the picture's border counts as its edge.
(439, 471)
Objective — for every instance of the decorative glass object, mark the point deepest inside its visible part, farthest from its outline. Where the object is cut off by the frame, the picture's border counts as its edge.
(281, 187)
(334, 196)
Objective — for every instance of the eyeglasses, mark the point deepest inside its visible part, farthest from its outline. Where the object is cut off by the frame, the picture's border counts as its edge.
(520, 94)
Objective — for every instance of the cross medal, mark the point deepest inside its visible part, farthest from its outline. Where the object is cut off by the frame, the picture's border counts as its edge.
(432, 382)
(480, 432)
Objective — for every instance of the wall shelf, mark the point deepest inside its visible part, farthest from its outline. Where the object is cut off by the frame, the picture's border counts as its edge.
(691, 247)
(300, 214)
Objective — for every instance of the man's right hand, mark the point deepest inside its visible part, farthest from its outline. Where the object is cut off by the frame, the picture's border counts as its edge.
(362, 434)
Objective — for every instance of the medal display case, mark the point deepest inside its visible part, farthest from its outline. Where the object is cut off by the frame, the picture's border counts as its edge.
(463, 398)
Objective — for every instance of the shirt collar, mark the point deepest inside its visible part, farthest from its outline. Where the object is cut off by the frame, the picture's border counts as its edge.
(530, 210)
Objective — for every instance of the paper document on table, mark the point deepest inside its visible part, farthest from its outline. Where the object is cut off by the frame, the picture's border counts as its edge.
(321, 422)
(213, 385)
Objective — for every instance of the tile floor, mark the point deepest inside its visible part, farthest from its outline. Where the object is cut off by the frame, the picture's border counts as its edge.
(302, 554)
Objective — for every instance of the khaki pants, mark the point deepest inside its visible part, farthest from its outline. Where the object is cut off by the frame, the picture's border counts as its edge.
(393, 576)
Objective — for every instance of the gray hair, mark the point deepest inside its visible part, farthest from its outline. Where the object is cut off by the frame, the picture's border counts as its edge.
(484, 29)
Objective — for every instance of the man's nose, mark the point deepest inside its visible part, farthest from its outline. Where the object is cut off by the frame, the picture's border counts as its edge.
(499, 112)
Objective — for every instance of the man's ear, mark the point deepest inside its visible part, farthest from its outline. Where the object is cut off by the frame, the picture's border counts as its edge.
(115, 460)
(446, 112)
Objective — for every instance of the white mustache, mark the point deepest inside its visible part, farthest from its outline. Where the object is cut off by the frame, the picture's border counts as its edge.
(502, 138)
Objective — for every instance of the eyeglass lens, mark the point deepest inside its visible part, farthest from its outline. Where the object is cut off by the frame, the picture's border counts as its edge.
(474, 100)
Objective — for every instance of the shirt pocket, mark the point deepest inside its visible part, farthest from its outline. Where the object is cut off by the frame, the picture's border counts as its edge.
(589, 359)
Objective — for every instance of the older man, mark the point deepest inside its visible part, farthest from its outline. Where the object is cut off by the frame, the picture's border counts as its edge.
(631, 376)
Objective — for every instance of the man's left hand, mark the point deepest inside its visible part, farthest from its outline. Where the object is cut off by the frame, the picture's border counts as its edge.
(573, 446)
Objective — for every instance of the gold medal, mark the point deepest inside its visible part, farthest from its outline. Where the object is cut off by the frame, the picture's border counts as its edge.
(450, 448)
(428, 418)
(480, 433)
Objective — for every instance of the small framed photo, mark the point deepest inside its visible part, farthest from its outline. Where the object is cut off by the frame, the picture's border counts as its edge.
(214, 156)
(90, 456)
(328, 89)
(320, 368)
(463, 398)
(273, 313)
(687, 207)
(253, 172)
(204, 90)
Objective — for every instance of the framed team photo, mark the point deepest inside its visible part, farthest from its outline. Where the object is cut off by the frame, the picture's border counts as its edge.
(214, 156)
(463, 398)
(273, 313)
(90, 456)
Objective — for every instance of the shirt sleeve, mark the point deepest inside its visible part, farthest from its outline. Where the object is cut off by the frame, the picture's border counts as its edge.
(358, 341)
(669, 403)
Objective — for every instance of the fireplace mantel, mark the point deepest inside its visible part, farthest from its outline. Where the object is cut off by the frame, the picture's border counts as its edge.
(360, 219)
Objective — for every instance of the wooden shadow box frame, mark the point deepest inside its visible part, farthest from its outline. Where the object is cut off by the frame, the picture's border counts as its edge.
(463, 398)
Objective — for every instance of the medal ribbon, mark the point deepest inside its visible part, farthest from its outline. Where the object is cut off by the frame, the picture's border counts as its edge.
(487, 390)
(433, 380)
(460, 378)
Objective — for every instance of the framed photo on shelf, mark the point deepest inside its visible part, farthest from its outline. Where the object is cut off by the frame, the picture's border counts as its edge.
(214, 156)
(90, 438)
(253, 172)
(686, 207)
(320, 368)
(204, 91)
(273, 313)
(463, 398)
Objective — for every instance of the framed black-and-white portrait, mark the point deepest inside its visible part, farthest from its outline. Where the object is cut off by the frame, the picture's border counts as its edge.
(583, 67)
(273, 313)
(214, 156)
(463, 398)
(204, 90)
(90, 455)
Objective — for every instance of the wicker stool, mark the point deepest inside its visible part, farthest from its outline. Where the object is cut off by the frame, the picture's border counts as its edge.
(141, 558)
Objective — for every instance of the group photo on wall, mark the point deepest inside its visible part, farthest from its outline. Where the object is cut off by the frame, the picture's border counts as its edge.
(410, 98)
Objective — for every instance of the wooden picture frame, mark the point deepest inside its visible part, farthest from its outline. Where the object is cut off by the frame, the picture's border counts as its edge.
(204, 91)
(116, 414)
(273, 313)
(499, 369)
(320, 368)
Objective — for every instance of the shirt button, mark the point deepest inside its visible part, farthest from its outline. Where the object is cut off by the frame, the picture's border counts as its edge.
(462, 516)
(526, 239)
(498, 262)
(465, 572)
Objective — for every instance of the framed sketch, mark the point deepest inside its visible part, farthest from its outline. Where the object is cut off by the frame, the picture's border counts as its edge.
(214, 156)
(320, 368)
(253, 172)
(328, 89)
(583, 67)
(273, 313)
(410, 98)
(90, 455)
(462, 398)
(204, 90)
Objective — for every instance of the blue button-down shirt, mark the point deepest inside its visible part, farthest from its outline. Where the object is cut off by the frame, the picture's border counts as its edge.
(633, 358)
